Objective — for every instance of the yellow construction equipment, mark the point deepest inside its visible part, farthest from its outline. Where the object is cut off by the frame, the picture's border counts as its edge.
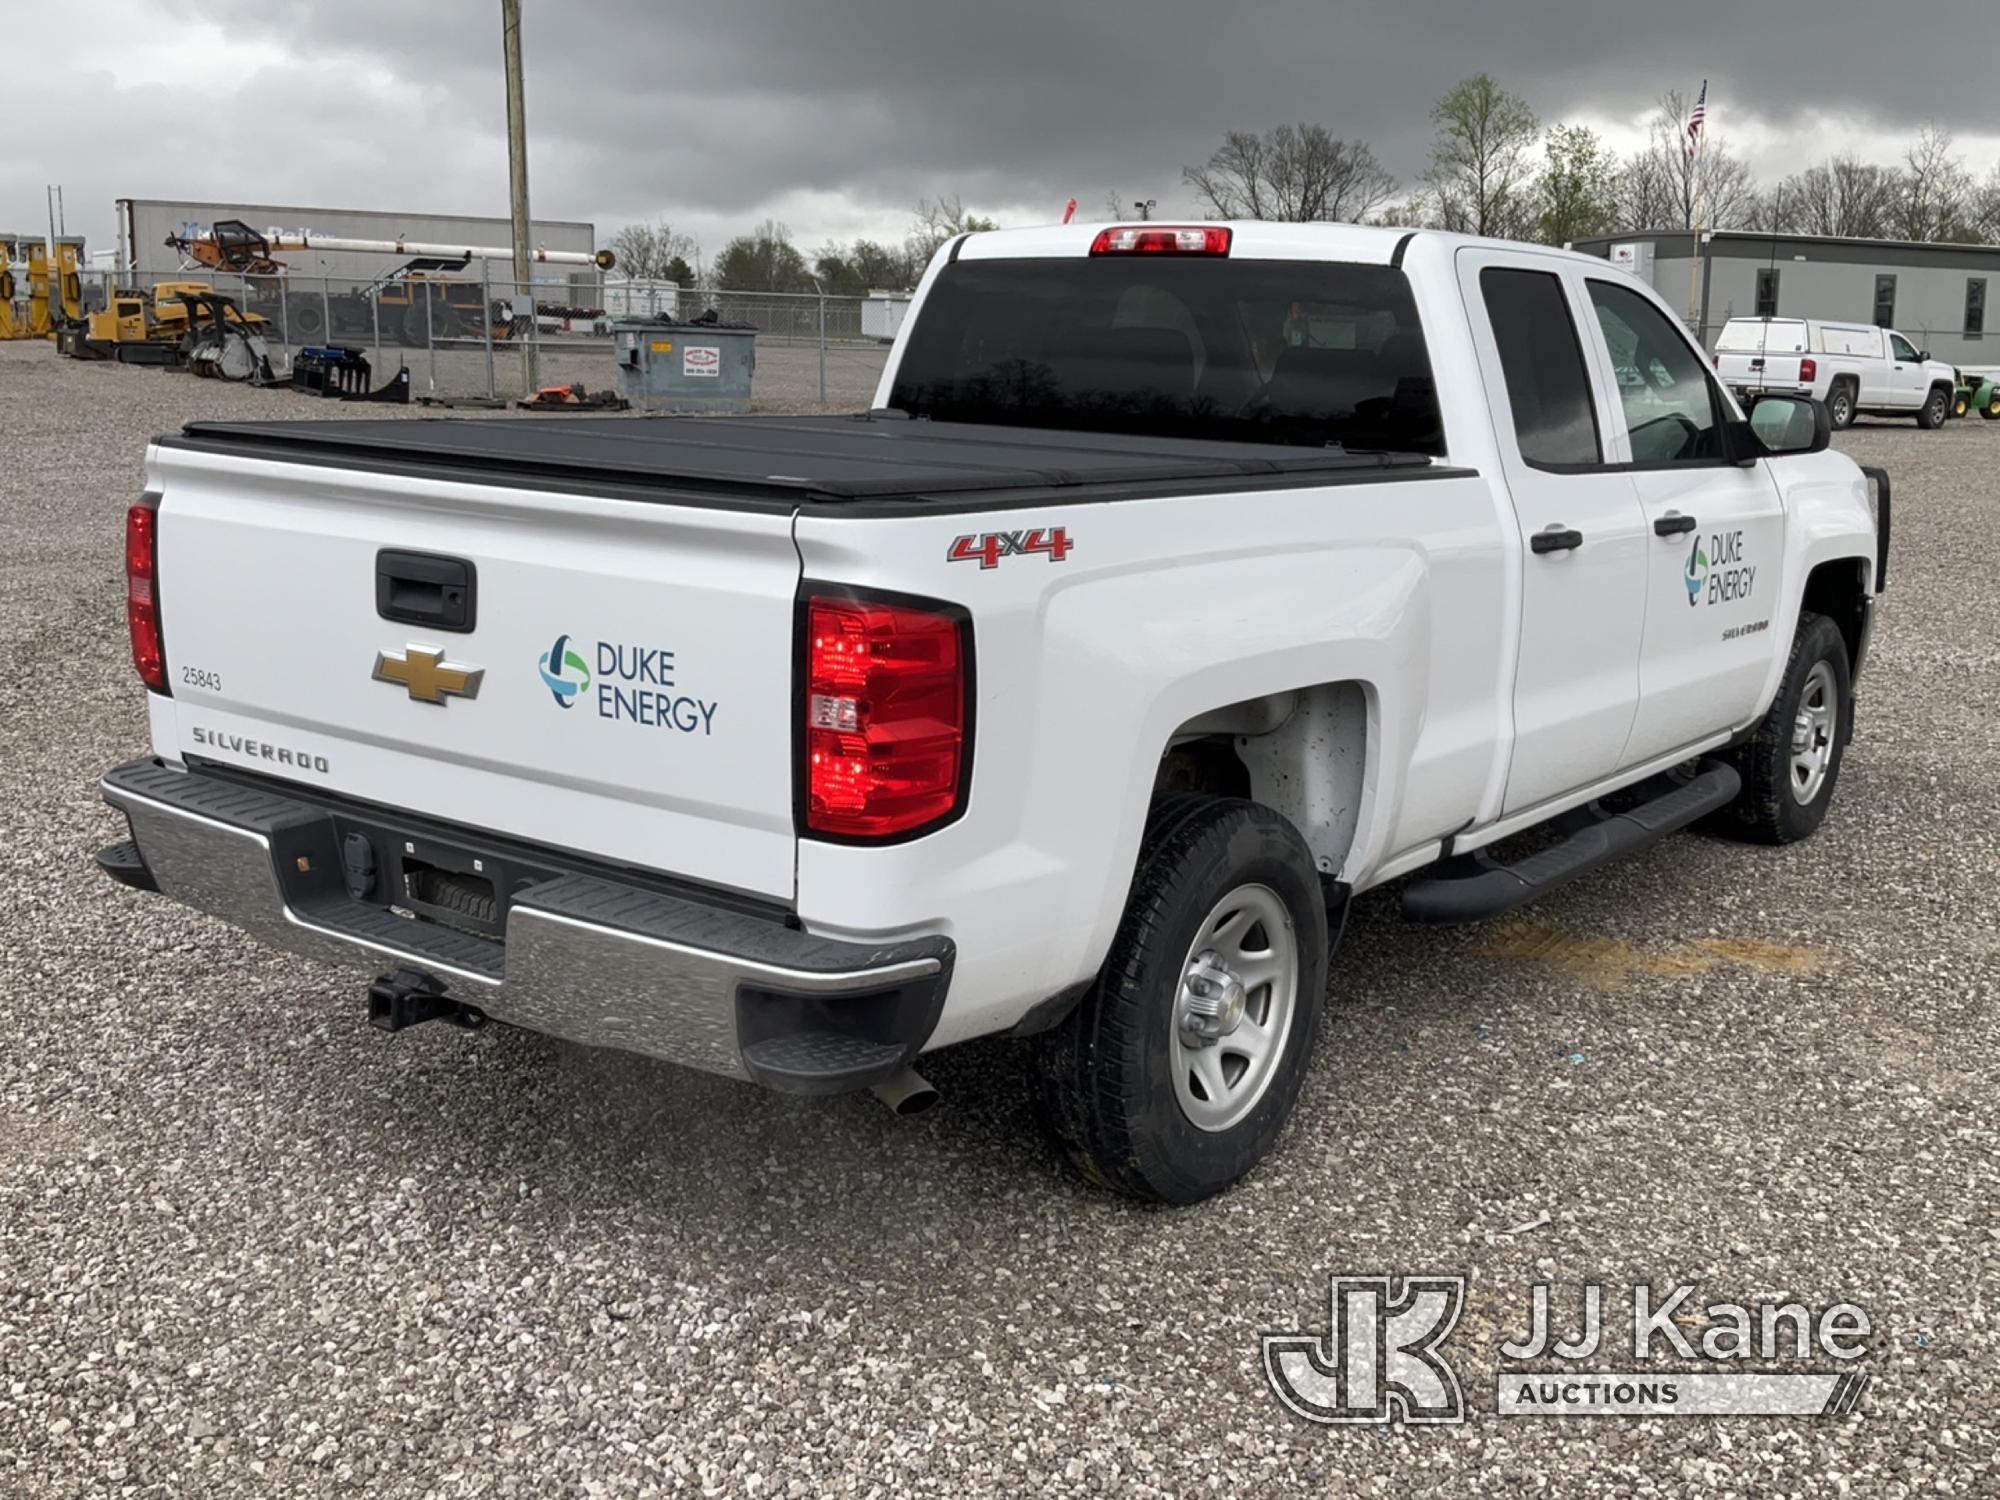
(7, 289)
(160, 325)
(55, 292)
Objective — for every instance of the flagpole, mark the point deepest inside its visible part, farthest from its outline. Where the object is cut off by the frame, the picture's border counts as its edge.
(1698, 123)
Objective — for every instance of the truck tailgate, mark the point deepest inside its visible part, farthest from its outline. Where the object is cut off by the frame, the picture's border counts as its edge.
(1757, 371)
(622, 688)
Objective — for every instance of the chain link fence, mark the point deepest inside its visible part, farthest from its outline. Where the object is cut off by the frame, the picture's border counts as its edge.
(483, 340)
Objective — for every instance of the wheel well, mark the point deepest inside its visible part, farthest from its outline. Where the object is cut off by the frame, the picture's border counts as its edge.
(1300, 753)
(1839, 590)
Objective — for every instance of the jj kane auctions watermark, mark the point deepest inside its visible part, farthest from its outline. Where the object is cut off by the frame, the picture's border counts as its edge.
(1382, 1357)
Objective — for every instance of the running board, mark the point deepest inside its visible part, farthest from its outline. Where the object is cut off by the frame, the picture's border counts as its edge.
(1472, 887)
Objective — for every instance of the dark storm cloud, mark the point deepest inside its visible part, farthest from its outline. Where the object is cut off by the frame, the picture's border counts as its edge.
(717, 113)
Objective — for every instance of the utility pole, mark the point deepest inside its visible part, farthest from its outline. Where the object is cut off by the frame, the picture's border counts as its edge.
(1145, 207)
(517, 185)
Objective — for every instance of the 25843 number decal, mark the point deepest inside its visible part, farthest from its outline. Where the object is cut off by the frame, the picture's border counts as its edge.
(987, 547)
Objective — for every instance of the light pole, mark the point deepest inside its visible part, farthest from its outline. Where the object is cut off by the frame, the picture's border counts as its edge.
(1145, 207)
(517, 183)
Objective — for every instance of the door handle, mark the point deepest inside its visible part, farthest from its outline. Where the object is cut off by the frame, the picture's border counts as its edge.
(1556, 539)
(1673, 523)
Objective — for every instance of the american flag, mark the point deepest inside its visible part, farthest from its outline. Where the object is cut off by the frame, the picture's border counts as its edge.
(1695, 120)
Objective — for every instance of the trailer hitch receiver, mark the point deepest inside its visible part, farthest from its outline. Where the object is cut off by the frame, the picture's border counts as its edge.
(410, 997)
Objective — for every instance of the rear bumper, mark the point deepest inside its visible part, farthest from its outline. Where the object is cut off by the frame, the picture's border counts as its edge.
(583, 954)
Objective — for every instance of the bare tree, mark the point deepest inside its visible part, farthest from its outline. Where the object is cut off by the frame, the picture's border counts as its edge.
(645, 251)
(1659, 186)
(1480, 168)
(1983, 210)
(1294, 173)
(1845, 197)
(1935, 189)
(936, 221)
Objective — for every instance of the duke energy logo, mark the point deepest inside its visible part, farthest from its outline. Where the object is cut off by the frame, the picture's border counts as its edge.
(564, 673)
(1718, 571)
(1697, 573)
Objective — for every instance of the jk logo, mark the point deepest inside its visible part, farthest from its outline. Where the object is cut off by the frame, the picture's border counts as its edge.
(1378, 1359)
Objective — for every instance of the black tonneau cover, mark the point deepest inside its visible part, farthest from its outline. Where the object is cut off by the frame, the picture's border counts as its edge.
(795, 460)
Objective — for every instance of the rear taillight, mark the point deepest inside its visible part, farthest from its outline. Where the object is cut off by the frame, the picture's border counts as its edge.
(142, 593)
(1808, 371)
(1162, 239)
(886, 716)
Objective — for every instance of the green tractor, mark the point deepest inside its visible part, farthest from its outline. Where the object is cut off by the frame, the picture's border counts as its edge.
(1976, 393)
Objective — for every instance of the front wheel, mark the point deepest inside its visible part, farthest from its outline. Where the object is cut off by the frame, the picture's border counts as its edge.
(1176, 1072)
(1934, 411)
(1790, 765)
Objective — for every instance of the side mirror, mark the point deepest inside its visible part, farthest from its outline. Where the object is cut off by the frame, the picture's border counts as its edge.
(1779, 426)
(1923, 354)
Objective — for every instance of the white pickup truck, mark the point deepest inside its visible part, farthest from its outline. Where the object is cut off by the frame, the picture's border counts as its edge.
(1185, 582)
(1854, 368)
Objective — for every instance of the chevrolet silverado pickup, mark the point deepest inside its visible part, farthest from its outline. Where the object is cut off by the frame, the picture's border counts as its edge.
(1183, 583)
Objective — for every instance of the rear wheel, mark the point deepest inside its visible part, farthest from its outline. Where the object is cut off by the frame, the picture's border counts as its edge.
(1791, 764)
(1840, 405)
(1176, 1072)
(1990, 408)
(1936, 408)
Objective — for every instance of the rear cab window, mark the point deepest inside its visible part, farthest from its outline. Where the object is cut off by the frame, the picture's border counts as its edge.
(1541, 358)
(1302, 353)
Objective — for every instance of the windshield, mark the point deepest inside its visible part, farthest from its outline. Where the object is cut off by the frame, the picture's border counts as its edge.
(1297, 352)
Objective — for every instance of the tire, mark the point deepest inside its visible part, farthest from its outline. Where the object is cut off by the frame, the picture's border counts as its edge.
(1991, 410)
(1961, 404)
(1777, 804)
(1840, 405)
(1117, 1081)
(305, 320)
(1935, 410)
(412, 332)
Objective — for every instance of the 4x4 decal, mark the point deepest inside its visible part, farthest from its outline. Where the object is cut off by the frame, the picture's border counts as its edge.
(988, 547)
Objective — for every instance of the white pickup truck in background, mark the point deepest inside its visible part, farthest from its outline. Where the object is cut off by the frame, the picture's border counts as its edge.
(1187, 581)
(1856, 369)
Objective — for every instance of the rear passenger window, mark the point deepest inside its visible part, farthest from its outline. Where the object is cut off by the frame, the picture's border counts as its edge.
(1555, 418)
(1670, 408)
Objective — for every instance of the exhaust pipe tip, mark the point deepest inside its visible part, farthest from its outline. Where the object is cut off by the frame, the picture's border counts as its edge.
(906, 1092)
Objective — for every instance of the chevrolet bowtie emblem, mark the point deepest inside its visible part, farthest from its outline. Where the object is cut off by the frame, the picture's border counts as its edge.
(427, 675)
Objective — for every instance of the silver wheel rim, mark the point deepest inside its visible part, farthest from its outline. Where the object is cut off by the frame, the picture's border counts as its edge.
(1840, 408)
(1813, 729)
(1233, 1008)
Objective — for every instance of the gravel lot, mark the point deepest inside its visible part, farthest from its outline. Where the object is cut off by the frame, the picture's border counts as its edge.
(249, 1246)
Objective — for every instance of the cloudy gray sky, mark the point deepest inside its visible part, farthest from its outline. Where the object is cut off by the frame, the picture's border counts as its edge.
(833, 117)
